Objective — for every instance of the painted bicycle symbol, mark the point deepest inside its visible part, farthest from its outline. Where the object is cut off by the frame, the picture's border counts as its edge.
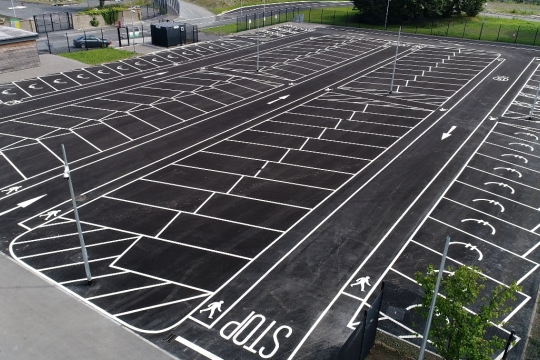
(501, 78)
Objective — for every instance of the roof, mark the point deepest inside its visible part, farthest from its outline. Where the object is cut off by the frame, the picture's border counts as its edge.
(168, 24)
(10, 35)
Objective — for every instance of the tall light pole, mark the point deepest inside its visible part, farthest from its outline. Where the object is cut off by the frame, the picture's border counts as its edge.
(433, 300)
(67, 176)
(13, 8)
(395, 61)
(132, 27)
(386, 17)
(264, 13)
(257, 42)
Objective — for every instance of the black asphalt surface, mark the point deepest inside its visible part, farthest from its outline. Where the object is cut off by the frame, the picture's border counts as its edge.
(213, 196)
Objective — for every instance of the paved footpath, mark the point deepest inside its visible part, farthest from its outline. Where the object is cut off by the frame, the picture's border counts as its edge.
(40, 322)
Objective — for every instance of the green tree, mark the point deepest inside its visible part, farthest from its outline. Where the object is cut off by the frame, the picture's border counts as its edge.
(455, 332)
(471, 7)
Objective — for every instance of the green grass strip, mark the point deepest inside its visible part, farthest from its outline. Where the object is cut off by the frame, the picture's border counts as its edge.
(98, 56)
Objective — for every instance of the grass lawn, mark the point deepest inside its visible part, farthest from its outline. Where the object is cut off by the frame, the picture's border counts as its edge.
(513, 8)
(475, 28)
(98, 56)
(219, 6)
(220, 30)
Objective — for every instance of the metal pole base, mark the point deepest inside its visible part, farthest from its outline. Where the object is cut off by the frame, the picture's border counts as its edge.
(390, 92)
(89, 282)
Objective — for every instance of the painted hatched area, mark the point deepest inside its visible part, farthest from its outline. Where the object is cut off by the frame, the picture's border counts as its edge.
(164, 242)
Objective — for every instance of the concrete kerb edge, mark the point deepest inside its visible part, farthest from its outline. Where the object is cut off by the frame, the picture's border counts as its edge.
(71, 295)
(524, 353)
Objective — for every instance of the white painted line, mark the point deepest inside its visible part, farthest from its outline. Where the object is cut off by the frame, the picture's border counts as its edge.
(169, 223)
(93, 277)
(236, 183)
(13, 165)
(127, 291)
(160, 305)
(205, 201)
(73, 248)
(197, 348)
(76, 263)
(283, 157)
(527, 274)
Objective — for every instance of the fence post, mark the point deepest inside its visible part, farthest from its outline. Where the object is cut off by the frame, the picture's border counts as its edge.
(431, 30)
(500, 32)
(271, 17)
(67, 39)
(85, 42)
(286, 14)
(464, 27)
(334, 17)
(119, 37)
(534, 43)
(508, 343)
(309, 16)
(322, 10)
(447, 28)
(142, 31)
(517, 34)
(347, 19)
(127, 35)
(481, 29)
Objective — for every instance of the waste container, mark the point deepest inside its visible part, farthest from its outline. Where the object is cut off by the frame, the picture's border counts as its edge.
(168, 34)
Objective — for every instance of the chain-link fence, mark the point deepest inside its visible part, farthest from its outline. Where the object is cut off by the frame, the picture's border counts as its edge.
(464, 28)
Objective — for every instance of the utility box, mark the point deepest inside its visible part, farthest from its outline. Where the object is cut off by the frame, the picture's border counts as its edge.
(168, 34)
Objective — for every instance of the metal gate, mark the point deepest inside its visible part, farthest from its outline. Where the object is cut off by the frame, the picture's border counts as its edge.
(53, 22)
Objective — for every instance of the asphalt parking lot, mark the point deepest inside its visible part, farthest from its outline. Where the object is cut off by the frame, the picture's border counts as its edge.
(216, 186)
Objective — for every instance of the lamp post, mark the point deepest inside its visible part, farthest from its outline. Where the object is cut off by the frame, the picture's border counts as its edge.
(67, 176)
(257, 42)
(395, 61)
(13, 8)
(386, 17)
(132, 27)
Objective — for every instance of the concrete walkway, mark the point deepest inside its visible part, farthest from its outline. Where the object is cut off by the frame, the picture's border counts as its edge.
(50, 64)
(40, 321)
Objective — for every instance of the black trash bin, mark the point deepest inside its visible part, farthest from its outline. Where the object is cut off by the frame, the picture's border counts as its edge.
(168, 34)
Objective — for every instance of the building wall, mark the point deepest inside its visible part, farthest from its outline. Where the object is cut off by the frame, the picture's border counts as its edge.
(18, 56)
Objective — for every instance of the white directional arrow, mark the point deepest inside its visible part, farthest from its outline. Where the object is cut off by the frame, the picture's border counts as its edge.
(80, 76)
(279, 98)
(34, 86)
(58, 81)
(171, 57)
(6, 92)
(138, 63)
(447, 134)
(442, 109)
(102, 72)
(119, 67)
(156, 60)
(492, 118)
(157, 74)
(23, 204)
